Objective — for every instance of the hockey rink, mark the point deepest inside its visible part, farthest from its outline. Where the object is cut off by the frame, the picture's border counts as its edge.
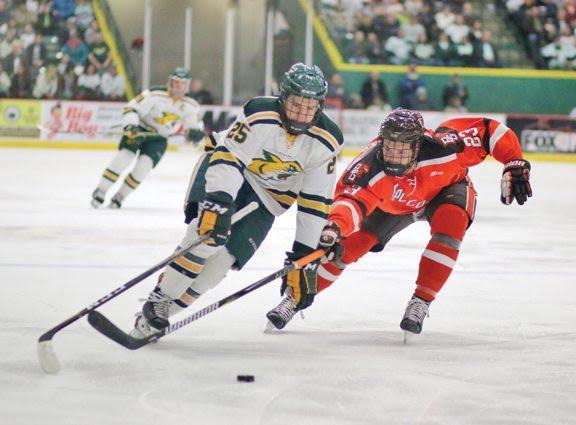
(498, 348)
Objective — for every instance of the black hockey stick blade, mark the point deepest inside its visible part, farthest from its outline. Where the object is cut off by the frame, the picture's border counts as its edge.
(109, 329)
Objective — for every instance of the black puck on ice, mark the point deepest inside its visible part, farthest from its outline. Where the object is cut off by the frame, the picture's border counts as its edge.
(245, 378)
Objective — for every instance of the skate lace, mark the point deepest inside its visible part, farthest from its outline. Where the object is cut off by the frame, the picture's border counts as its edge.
(160, 304)
(286, 308)
(417, 310)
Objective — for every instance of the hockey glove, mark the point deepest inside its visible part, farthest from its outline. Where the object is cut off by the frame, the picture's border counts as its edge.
(302, 283)
(515, 182)
(194, 135)
(329, 242)
(216, 217)
(131, 132)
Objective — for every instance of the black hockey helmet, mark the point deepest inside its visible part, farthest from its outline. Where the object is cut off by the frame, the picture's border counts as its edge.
(304, 82)
(400, 140)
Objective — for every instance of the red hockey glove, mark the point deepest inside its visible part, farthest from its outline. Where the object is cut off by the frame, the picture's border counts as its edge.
(515, 182)
(329, 241)
(303, 283)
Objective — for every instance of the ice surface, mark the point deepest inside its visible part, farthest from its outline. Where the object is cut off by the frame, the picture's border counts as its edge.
(499, 347)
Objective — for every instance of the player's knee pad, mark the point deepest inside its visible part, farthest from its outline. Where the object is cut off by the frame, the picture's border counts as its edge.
(449, 220)
(142, 168)
(122, 160)
(214, 271)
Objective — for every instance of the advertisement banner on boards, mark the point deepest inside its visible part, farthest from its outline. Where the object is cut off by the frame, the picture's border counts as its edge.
(80, 121)
(545, 133)
(19, 115)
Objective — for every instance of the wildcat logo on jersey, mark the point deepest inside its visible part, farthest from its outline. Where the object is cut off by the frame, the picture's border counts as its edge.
(358, 171)
(271, 167)
(167, 118)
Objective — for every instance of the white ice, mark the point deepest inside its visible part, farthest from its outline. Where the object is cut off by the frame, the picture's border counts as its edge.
(498, 348)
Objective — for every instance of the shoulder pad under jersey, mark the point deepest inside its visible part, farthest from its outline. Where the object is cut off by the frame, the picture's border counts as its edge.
(443, 142)
(327, 132)
(363, 169)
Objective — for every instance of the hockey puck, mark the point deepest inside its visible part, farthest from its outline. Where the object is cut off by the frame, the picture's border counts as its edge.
(245, 378)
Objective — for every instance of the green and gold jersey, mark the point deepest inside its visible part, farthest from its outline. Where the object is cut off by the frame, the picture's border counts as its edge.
(281, 168)
(156, 111)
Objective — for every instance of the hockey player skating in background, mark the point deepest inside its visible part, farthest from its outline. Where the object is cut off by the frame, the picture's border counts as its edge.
(148, 120)
(409, 174)
(279, 151)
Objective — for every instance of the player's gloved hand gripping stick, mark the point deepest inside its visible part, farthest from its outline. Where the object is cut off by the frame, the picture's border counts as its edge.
(46, 355)
(106, 327)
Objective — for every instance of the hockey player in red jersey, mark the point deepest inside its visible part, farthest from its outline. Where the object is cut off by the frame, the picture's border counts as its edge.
(407, 174)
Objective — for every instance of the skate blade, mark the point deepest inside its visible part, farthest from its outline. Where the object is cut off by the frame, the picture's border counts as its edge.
(270, 328)
(407, 337)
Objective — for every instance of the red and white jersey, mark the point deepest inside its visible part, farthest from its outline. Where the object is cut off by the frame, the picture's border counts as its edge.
(444, 158)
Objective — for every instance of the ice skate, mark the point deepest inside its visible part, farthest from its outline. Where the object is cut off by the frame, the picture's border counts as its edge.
(156, 309)
(116, 202)
(414, 316)
(281, 315)
(141, 328)
(97, 198)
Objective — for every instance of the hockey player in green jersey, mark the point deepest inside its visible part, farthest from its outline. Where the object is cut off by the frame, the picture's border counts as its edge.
(279, 151)
(148, 120)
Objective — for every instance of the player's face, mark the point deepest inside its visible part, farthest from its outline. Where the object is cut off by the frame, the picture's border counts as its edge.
(398, 152)
(301, 109)
(178, 87)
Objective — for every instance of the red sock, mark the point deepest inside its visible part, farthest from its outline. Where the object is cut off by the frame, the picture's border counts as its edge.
(355, 246)
(448, 227)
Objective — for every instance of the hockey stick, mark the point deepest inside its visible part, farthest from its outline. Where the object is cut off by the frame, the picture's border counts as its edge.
(103, 325)
(46, 355)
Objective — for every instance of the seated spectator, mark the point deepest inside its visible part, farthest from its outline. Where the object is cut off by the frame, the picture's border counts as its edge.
(6, 43)
(444, 50)
(76, 49)
(421, 101)
(413, 7)
(23, 16)
(559, 55)
(91, 32)
(387, 26)
(336, 89)
(4, 12)
(455, 105)
(373, 49)
(35, 55)
(358, 52)
(4, 82)
(198, 92)
(27, 36)
(46, 85)
(423, 52)
(378, 104)
(67, 82)
(355, 101)
(14, 59)
(485, 52)
(455, 88)
(398, 49)
(464, 52)
(45, 23)
(63, 9)
(65, 32)
(20, 83)
(99, 55)
(84, 14)
(9, 25)
(468, 14)
(89, 84)
(445, 17)
(413, 29)
(457, 30)
(113, 86)
(373, 87)
(408, 86)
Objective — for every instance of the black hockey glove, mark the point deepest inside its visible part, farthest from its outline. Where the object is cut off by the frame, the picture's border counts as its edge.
(194, 135)
(515, 182)
(131, 131)
(216, 217)
(303, 283)
(329, 242)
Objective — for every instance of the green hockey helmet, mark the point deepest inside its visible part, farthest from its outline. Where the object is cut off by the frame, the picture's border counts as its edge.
(179, 82)
(308, 86)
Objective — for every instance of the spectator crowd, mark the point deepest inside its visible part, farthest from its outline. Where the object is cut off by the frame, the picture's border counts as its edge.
(448, 33)
(54, 49)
